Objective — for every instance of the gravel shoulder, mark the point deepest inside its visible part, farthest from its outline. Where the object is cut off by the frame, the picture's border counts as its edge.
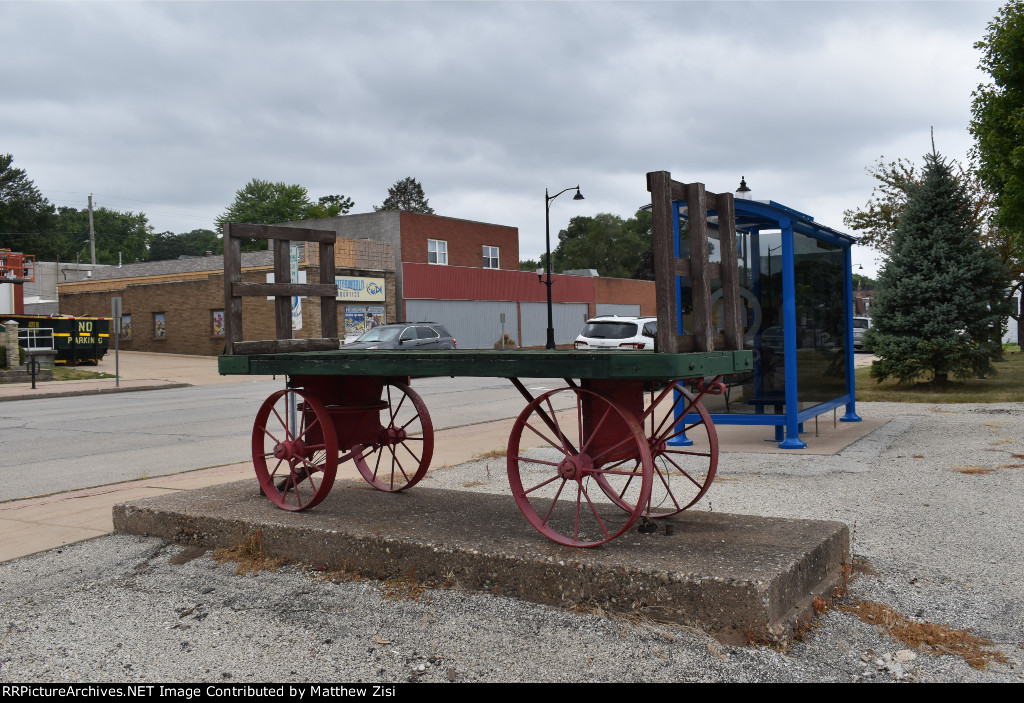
(938, 536)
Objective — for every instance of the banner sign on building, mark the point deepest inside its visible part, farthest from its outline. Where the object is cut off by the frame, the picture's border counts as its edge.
(358, 289)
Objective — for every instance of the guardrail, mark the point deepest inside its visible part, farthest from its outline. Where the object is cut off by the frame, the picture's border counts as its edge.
(32, 338)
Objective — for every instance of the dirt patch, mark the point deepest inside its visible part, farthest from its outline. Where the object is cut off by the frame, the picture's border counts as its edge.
(927, 637)
(248, 555)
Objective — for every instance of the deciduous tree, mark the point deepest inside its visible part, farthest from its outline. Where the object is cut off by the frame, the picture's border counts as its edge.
(266, 203)
(998, 116)
(26, 217)
(604, 242)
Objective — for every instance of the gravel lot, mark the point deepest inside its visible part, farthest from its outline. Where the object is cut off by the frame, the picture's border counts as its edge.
(938, 545)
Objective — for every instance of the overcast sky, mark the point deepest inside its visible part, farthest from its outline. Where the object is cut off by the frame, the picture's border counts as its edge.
(170, 107)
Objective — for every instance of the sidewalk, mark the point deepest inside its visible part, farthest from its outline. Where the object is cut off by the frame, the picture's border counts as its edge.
(138, 371)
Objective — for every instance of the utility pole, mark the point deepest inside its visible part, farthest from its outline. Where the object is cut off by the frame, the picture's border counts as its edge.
(92, 234)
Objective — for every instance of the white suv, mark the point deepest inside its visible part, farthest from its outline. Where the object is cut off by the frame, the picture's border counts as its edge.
(614, 332)
(859, 325)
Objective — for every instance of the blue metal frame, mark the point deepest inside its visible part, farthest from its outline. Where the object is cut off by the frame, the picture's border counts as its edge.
(753, 216)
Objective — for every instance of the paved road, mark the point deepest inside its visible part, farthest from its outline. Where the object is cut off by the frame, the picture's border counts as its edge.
(60, 444)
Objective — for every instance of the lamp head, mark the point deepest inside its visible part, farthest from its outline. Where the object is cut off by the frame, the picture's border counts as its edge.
(579, 195)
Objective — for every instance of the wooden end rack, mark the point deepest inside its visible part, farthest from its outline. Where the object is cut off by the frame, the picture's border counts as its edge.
(283, 289)
(668, 267)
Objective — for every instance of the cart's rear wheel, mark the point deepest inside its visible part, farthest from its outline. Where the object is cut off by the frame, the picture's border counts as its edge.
(401, 455)
(556, 485)
(682, 474)
(294, 449)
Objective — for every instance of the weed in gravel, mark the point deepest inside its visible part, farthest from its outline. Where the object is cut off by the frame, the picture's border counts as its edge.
(493, 454)
(927, 637)
(248, 555)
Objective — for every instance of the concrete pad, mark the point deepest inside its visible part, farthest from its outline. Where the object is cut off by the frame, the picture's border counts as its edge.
(829, 440)
(740, 577)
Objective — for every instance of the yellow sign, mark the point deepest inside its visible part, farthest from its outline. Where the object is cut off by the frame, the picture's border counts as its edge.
(357, 289)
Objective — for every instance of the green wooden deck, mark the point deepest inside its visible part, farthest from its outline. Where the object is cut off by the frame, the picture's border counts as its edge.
(494, 364)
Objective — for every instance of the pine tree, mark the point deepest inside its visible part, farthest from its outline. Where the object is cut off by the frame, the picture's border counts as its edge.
(406, 195)
(938, 303)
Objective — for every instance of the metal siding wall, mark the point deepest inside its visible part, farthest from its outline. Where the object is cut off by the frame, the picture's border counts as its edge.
(475, 325)
(618, 309)
(568, 320)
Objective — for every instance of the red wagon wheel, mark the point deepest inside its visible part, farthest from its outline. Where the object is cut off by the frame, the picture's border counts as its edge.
(556, 487)
(682, 473)
(401, 455)
(295, 453)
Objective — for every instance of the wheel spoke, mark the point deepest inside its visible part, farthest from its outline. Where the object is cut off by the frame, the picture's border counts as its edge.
(578, 519)
(311, 467)
(669, 497)
(559, 447)
(404, 419)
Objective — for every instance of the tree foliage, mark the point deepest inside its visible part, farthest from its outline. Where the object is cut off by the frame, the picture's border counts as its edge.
(940, 294)
(266, 203)
(406, 195)
(167, 245)
(998, 116)
(25, 215)
(605, 242)
(121, 237)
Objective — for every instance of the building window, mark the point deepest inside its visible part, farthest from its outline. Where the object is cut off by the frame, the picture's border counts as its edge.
(159, 324)
(217, 323)
(437, 251)
(126, 326)
(490, 257)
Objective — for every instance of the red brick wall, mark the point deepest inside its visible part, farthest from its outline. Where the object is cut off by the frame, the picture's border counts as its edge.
(625, 290)
(465, 238)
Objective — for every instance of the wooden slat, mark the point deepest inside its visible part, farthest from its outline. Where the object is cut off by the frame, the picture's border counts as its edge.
(696, 203)
(729, 274)
(232, 303)
(293, 234)
(328, 303)
(282, 303)
(288, 289)
(659, 183)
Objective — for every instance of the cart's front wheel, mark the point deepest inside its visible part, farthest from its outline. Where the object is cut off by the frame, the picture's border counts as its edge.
(684, 450)
(401, 455)
(559, 485)
(294, 449)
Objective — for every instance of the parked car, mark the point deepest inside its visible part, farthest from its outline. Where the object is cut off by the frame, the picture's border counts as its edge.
(859, 325)
(614, 332)
(405, 335)
(774, 338)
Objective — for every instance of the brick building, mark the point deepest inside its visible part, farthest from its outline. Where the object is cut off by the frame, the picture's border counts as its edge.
(177, 306)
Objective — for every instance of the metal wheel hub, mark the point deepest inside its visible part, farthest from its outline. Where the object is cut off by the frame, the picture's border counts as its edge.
(392, 435)
(574, 468)
(289, 450)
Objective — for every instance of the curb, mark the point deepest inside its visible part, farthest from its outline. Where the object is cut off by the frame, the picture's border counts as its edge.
(39, 393)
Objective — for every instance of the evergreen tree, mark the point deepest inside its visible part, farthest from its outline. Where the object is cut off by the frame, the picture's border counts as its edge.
(938, 303)
(406, 195)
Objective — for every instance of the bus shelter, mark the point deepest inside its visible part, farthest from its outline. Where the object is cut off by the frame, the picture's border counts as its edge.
(797, 289)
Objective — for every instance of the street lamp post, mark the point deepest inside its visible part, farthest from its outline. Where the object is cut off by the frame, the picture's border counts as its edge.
(547, 239)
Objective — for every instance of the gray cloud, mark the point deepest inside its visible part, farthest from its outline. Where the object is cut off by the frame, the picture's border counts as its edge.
(171, 107)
